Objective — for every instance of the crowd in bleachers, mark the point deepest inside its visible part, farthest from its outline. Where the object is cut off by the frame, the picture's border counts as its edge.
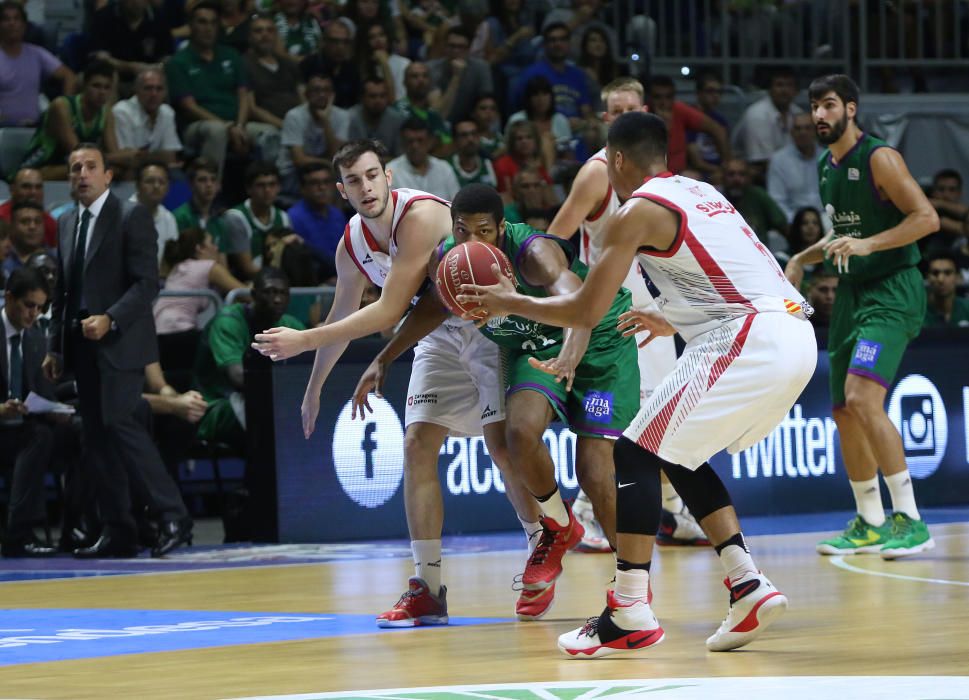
(222, 118)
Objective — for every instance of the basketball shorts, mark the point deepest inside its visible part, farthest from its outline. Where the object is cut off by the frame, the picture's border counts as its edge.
(657, 359)
(455, 380)
(729, 389)
(871, 326)
(605, 392)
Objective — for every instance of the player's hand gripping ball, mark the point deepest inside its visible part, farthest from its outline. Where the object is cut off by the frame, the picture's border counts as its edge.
(469, 263)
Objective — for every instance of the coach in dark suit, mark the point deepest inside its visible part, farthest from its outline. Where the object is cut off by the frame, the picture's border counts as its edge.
(26, 441)
(102, 328)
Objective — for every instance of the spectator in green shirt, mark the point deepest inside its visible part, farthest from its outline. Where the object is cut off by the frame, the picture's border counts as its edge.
(219, 374)
(943, 308)
(200, 210)
(209, 89)
(418, 103)
(760, 212)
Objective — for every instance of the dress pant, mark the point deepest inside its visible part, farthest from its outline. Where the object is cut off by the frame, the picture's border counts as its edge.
(30, 444)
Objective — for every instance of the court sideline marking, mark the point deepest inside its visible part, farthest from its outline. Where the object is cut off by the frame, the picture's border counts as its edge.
(839, 561)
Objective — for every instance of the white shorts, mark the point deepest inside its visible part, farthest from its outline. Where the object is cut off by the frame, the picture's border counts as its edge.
(456, 380)
(656, 360)
(729, 389)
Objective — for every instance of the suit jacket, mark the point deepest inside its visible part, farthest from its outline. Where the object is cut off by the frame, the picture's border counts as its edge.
(33, 347)
(120, 279)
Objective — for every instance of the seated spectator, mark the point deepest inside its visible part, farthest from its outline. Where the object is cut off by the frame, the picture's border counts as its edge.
(335, 58)
(821, 293)
(28, 186)
(755, 205)
(74, 119)
(417, 103)
(26, 235)
(193, 264)
(130, 36)
(286, 252)
(316, 220)
(530, 197)
(26, 441)
(218, 370)
(508, 41)
(522, 146)
(580, 16)
(765, 126)
(246, 224)
(235, 19)
(312, 133)
(175, 409)
(299, 32)
(273, 82)
(792, 172)
(152, 187)
(943, 308)
(703, 153)
(569, 82)
(485, 114)
(417, 169)
(459, 78)
(554, 132)
(374, 118)
(46, 264)
(144, 124)
(597, 59)
(376, 58)
(805, 230)
(200, 211)
(946, 197)
(467, 163)
(209, 90)
(25, 68)
(680, 118)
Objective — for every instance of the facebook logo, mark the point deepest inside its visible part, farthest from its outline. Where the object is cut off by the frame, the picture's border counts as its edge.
(368, 455)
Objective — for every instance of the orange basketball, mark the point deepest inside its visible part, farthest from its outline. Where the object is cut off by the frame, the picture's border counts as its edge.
(469, 263)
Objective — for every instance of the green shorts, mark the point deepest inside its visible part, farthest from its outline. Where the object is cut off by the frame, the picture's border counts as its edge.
(871, 325)
(605, 393)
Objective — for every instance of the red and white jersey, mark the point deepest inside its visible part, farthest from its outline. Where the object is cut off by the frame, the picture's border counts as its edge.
(593, 230)
(716, 269)
(364, 249)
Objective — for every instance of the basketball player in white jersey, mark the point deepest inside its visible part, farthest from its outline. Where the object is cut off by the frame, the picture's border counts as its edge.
(455, 377)
(590, 203)
(750, 351)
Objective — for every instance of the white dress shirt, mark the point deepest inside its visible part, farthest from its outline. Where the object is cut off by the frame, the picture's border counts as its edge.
(165, 225)
(134, 128)
(95, 210)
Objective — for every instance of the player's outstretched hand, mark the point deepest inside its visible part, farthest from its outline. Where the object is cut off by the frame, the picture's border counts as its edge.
(652, 322)
(841, 249)
(484, 301)
(280, 343)
(309, 411)
(562, 367)
(372, 380)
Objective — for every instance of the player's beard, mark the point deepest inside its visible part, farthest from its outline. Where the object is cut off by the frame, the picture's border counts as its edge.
(379, 212)
(835, 131)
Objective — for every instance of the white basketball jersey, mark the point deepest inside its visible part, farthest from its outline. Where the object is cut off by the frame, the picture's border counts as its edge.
(363, 247)
(591, 233)
(716, 269)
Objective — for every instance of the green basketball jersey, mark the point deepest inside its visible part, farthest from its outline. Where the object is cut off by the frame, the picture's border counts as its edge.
(525, 335)
(857, 209)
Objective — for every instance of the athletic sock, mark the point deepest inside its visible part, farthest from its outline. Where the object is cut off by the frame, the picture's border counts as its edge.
(532, 533)
(427, 562)
(903, 495)
(868, 499)
(632, 584)
(735, 558)
(671, 499)
(553, 507)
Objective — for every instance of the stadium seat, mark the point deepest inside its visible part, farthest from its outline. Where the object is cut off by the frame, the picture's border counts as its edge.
(13, 146)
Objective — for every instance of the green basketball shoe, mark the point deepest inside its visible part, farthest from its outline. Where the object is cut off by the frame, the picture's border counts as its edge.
(909, 536)
(859, 537)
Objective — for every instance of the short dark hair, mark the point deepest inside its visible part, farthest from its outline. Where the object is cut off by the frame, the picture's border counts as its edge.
(941, 255)
(269, 273)
(780, 72)
(24, 280)
(27, 204)
(641, 136)
(151, 162)
(706, 76)
(459, 31)
(415, 124)
(11, 5)
(88, 146)
(555, 26)
(201, 165)
(948, 174)
(98, 68)
(258, 169)
(204, 5)
(478, 198)
(351, 151)
(304, 171)
(838, 83)
(662, 81)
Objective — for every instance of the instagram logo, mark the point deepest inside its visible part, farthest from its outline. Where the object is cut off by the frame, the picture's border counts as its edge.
(917, 411)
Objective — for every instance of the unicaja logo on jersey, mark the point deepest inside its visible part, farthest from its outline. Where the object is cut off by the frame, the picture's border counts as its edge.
(368, 455)
(917, 410)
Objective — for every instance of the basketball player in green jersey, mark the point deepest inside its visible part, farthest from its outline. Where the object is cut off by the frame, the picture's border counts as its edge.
(878, 213)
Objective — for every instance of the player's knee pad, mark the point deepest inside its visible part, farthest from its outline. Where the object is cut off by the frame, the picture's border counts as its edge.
(638, 491)
(701, 489)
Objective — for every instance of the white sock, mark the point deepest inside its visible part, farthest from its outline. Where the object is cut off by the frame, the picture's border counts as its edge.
(554, 508)
(903, 495)
(632, 585)
(671, 499)
(532, 533)
(868, 499)
(427, 562)
(736, 562)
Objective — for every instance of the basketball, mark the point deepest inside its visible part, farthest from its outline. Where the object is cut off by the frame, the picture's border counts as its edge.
(469, 263)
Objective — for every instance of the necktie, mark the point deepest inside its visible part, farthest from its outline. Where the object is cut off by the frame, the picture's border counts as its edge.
(77, 266)
(16, 369)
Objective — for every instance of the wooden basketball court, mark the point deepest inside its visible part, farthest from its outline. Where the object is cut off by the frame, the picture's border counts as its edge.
(858, 616)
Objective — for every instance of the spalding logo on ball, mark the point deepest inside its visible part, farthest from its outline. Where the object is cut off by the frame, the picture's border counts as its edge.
(469, 263)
